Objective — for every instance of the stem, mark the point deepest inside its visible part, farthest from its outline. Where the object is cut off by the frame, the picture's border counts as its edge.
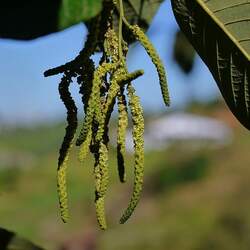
(120, 29)
(126, 22)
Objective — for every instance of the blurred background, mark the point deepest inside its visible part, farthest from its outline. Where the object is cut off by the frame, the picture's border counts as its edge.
(196, 192)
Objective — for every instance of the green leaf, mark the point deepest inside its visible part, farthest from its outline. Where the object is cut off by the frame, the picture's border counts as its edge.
(31, 19)
(139, 12)
(183, 53)
(75, 11)
(220, 32)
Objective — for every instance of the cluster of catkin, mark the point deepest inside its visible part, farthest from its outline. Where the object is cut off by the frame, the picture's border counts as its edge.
(101, 88)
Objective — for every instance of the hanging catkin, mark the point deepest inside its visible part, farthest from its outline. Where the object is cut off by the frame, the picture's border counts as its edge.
(138, 131)
(66, 145)
(121, 134)
(101, 87)
(93, 107)
(142, 38)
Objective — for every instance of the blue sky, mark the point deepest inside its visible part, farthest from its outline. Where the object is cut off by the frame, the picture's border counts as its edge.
(27, 96)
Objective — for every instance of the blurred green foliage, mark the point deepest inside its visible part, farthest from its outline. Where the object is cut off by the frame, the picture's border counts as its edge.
(168, 175)
(192, 199)
(9, 178)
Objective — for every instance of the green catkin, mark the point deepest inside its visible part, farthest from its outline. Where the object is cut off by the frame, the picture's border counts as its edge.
(119, 78)
(103, 165)
(113, 89)
(121, 134)
(138, 130)
(110, 101)
(101, 180)
(125, 78)
(140, 36)
(84, 148)
(100, 212)
(111, 45)
(93, 107)
(100, 88)
(62, 190)
(66, 145)
(97, 175)
(129, 77)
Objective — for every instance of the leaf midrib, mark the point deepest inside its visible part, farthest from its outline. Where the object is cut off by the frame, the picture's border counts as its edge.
(222, 26)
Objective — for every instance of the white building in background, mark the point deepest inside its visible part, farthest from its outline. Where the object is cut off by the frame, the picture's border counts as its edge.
(185, 128)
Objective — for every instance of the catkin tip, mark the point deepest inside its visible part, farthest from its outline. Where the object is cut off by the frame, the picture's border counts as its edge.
(65, 218)
(100, 213)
